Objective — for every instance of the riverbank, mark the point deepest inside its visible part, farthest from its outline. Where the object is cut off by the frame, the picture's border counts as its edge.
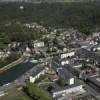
(14, 94)
(5, 68)
(15, 72)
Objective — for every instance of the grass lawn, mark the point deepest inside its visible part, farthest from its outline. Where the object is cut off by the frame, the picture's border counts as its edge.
(15, 95)
(45, 80)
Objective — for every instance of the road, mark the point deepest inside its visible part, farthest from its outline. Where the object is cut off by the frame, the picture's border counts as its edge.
(11, 65)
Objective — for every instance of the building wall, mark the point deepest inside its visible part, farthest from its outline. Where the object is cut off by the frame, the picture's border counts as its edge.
(67, 91)
(71, 81)
(32, 79)
(67, 55)
(64, 62)
(77, 66)
(38, 44)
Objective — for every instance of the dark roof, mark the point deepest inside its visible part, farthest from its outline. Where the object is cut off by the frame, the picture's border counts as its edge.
(95, 79)
(71, 69)
(61, 88)
(63, 71)
(96, 46)
(57, 60)
(55, 65)
(37, 70)
(83, 53)
(64, 74)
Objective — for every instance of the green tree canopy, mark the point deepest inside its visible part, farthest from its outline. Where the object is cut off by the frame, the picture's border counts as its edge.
(36, 93)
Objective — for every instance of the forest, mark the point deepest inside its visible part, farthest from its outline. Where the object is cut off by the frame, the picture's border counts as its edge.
(82, 16)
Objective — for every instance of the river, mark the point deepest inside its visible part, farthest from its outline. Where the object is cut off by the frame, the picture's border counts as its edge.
(15, 72)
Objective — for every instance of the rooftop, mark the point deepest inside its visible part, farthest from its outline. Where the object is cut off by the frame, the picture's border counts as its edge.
(37, 70)
(61, 88)
(65, 74)
(95, 79)
(83, 53)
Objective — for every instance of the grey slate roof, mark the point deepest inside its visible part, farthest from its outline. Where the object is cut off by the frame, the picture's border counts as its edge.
(95, 80)
(83, 53)
(65, 74)
(37, 70)
(61, 88)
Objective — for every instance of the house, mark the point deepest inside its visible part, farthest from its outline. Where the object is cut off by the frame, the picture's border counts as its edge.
(96, 34)
(26, 54)
(28, 49)
(14, 44)
(4, 54)
(64, 70)
(38, 44)
(65, 55)
(77, 66)
(95, 80)
(38, 71)
(92, 42)
(88, 56)
(86, 44)
(60, 62)
(59, 93)
(66, 76)
(96, 48)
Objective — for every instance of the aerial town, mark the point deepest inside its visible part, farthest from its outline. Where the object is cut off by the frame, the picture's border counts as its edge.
(49, 50)
(65, 63)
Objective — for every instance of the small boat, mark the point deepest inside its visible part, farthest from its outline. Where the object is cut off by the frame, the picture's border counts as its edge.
(34, 61)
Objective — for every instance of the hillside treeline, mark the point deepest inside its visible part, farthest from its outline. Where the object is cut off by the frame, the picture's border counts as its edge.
(82, 16)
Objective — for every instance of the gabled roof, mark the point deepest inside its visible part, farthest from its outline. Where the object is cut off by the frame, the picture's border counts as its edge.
(58, 88)
(64, 74)
(83, 53)
(95, 79)
(37, 70)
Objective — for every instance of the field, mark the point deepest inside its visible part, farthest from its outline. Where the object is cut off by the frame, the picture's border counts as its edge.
(15, 95)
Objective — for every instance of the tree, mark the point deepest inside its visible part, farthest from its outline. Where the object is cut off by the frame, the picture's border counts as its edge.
(35, 92)
(60, 82)
(55, 41)
(4, 40)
